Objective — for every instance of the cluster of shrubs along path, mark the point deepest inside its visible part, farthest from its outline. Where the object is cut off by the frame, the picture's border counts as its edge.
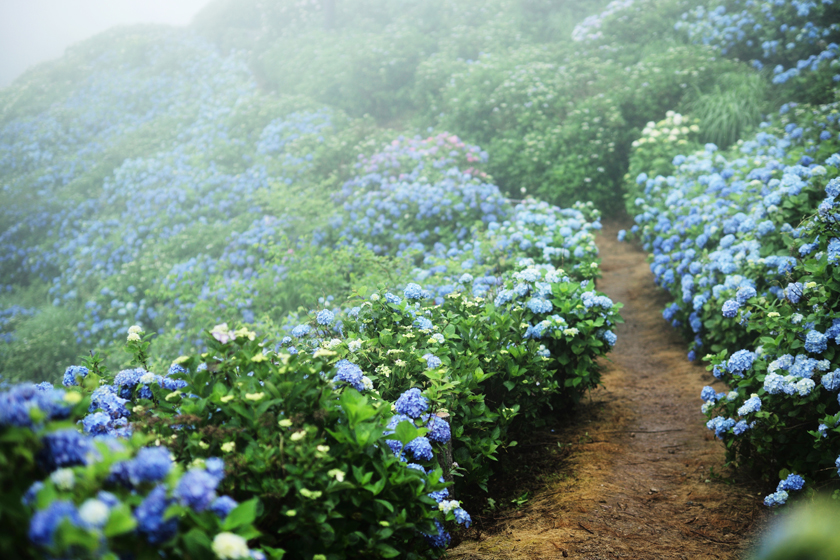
(638, 484)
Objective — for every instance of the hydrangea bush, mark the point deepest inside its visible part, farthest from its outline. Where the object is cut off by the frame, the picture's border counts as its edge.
(797, 39)
(743, 241)
(782, 414)
(313, 442)
(67, 492)
(715, 227)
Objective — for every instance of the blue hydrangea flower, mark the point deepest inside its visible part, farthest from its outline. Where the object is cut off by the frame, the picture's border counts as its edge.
(396, 447)
(439, 431)
(98, 423)
(349, 373)
(752, 404)
(831, 380)
(215, 467)
(591, 300)
(740, 362)
(730, 308)
(151, 464)
(744, 294)
(196, 489)
(65, 448)
(720, 425)
(420, 448)
(32, 493)
(834, 250)
(107, 498)
(71, 374)
(816, 342)
(439, 540)
(794, 291)
(740, 427)
(774, 383)
(539, 305)
(412, 403)
(129, 377)
(462, 517)
(44, 523)
(149, 516)
(17, 403)
(423, 323)
(413, 291)
(301, 331)
(325, 317)
(791, 483)
(106, 399)
(776, 499)
(172, 384)
(708, 394)
(391, 298)
(432, 361)
(440, 495)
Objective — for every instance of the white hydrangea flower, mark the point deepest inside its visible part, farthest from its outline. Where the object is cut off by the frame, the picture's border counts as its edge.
(94, 512)
(229, 546)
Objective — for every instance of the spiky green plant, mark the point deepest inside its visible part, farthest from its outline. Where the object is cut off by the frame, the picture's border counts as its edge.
(731, 108)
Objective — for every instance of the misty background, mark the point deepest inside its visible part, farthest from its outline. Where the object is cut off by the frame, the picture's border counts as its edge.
(35, 31)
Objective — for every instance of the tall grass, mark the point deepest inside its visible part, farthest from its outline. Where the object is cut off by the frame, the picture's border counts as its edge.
(731, 108)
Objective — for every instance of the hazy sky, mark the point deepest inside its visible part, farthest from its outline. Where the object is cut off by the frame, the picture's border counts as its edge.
(32, 31)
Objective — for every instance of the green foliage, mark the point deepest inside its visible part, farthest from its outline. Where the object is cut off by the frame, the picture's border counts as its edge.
(30, 486)
(327, 481)
(42, 347)
(363, 73)
(558, 122)
(653, 153)
(732, 108)
(492, 379)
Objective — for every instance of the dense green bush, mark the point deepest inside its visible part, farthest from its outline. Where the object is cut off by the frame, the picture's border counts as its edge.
(654, 151)
(314, 454)
(100, 498)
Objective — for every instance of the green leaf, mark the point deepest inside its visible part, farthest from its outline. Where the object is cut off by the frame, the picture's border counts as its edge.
(197, 544)
(376, 487)
(243, 514)
(119, 522)
(385, 337)
(387, 551)
(406, 432)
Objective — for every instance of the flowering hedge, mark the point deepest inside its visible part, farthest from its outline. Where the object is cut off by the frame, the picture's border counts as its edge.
(797, 38)
(82, 494)
(489, 365)
(736, 240)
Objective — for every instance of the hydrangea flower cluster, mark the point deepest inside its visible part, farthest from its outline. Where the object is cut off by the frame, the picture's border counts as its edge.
(770, 34)
(715, 233)
(590, 28)
(147, 474)
(27, 404)
(94, 252)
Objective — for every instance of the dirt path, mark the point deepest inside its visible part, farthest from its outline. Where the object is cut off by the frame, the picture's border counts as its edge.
(639, 484)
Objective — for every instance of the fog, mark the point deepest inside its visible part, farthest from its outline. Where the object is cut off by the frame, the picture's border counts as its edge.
(33, 31)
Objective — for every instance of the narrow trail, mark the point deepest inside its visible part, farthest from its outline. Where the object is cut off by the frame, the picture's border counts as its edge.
(638, 484)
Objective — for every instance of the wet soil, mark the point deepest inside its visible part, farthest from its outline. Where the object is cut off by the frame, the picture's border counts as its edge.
(637, 483)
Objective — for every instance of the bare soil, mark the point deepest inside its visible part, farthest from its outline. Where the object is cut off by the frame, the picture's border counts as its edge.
(637, 483)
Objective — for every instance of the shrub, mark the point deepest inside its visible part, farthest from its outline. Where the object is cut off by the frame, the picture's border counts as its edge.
(71, 493)
(312, 448)
(732, 109)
